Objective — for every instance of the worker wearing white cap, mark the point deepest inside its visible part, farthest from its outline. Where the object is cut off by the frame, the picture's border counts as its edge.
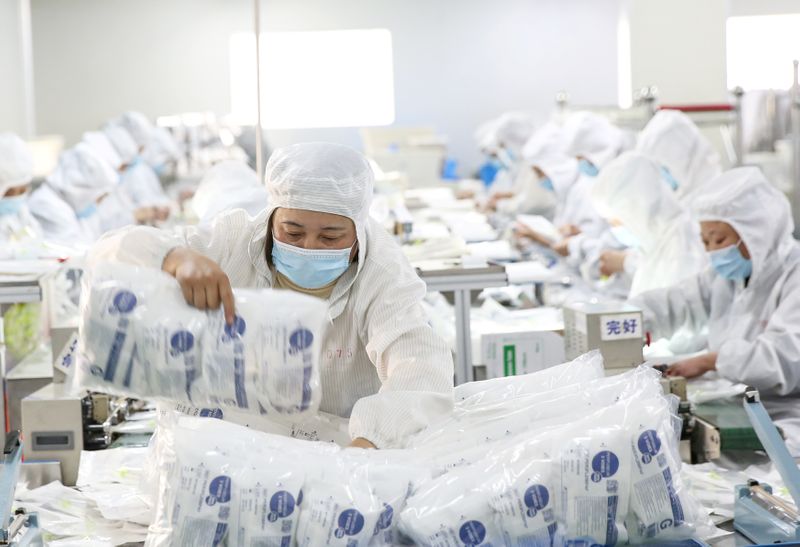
(230, 184)
(673, 141)
(17, 226)
(382, 364)
(749, 299)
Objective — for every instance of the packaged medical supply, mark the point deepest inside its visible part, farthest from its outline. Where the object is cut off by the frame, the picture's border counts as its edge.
(138, 337)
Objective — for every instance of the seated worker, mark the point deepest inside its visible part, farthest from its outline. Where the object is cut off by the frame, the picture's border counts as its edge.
(18, 228)
(381, 363)
(748, 299)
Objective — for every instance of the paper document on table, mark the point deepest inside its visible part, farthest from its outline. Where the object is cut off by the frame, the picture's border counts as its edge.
(540, 225)
(532, 272)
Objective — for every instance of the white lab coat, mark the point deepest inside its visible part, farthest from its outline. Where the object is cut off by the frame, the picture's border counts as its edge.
(381, 363)
(59, 224)
(143, 187)
(754, 329)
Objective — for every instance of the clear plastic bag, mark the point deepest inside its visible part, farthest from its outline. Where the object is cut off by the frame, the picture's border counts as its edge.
(585, 368)
(138, 337)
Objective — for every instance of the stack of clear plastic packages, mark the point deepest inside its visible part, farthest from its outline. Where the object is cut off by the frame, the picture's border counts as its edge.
(570, 459)
(139, 338)
(224, 484)
(596, 464)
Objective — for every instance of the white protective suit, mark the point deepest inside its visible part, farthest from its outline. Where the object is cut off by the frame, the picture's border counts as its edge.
(530, 197)
(139, 181)
(671, 139)
(633, 190)
(230, 184)
(595, 138)
(81, 178)
(382, 365)
(18, 230)
(755, 329)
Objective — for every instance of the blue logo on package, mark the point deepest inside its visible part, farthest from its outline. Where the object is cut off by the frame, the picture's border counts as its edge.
(649, 445)
(281, 505)
(385, 520)
(604, 464)
(219, 534)
(536, 498)
(219, 491)
(124, 301)
(300, 339)
(181, 342)
(236, 329)
(211, 413)
(472, 533)
(351, 522)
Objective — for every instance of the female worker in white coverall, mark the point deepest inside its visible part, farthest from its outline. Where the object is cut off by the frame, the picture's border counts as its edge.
(381, 363)
(749, 298)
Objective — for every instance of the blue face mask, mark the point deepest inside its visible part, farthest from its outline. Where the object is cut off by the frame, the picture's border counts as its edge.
(309, 268)
(160, 169)
(87, 211)
(12, 206)
(547, 184)
(587, 168)
(730, 264)
(667, 176)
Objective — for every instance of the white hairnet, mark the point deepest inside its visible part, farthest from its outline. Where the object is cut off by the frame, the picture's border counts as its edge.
(122, 141)
(546, 142)
(593, 137)
(561, 170)
(81, 177)
(759, 213)
(161, 148)
(510, 130)
(16, 162)
(103, 147)
(138, 126)
(229, 184)
(674, 141)
(322, 177)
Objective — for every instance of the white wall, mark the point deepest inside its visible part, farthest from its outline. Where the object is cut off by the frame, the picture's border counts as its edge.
(12, 104)
(94, 59)
(679, 46)
(457, 62)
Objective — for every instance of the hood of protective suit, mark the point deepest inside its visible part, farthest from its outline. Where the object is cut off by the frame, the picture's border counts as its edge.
(81, 177)
(631, 188)
(138, 126)
(671, 139)
(593, 137)
(16, 162)
(322, 177)
(510, 130)
(103, 147)
(229, 184)
(562, 171)
(122, 141)
(161, 148)
(759, 213)
(546, 142)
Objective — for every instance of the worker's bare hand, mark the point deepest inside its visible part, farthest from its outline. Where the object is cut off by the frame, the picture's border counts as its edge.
(204, 284)
(161, 213)
(694, 367)
(144, 215)
(520, 230)
(569, 230)
(612, 262)
(561, 247)
(362, 443)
